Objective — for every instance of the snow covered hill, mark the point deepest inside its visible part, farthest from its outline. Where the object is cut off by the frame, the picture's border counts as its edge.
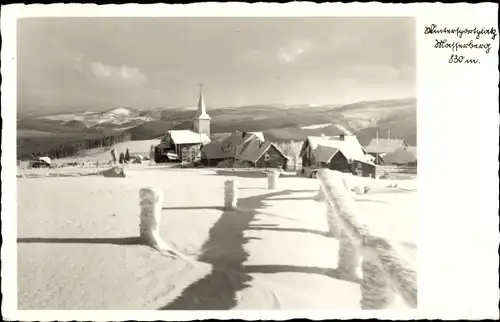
(116, 116)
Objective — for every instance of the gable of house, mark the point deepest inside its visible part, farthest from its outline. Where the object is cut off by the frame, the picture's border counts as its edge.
(324, 153)
(256, 149)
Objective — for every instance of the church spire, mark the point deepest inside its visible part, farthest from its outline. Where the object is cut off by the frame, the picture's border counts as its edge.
(201, 113)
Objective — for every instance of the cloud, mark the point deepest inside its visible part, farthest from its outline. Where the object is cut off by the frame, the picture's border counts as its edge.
(104, 72)
(123, 73)
(291, 53)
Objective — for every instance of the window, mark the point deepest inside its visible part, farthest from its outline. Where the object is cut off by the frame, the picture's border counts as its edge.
(267, 157)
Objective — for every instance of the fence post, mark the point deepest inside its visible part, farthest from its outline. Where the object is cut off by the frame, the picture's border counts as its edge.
(272, 178)
(230, 194)
(151, 203)
(376, 292)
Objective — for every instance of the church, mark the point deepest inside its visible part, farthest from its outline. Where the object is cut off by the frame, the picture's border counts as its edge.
(185, 145)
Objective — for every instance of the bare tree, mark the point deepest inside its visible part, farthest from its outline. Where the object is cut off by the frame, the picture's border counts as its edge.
(292, 150)
(295, 148)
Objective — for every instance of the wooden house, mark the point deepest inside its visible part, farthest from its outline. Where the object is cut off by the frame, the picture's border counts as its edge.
(378, 148)
(402, 156)
(342, 153)
(264, 155)
(248, 147)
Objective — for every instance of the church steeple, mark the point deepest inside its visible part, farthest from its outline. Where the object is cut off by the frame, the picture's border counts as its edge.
(201, 120)
(201, 113)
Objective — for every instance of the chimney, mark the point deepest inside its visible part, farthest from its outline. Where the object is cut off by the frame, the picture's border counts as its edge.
(342, 136)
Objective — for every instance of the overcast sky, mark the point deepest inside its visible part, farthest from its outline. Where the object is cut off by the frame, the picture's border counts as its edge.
(97, 63)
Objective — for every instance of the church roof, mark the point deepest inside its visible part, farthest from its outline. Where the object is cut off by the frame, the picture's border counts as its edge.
(201, 112)
(187, 136)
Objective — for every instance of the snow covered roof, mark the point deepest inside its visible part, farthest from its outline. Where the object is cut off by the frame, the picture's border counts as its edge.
(349, 146)
(412, 149)
(401, 155)
(241, 145)
(258, 135)
(187, 136)
(384, 145)
(220, 136)
(45, 159)
(237, 138)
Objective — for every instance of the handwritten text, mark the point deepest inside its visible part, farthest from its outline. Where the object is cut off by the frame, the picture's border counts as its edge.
(463, 51)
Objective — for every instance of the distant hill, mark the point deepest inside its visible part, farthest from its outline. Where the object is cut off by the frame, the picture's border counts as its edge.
(78, 125)
(279, 123)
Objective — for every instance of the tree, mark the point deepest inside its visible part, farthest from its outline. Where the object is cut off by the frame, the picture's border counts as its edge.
(152, 152)
(292, 150)
(122, 158)
(113, 156)
(127, 155)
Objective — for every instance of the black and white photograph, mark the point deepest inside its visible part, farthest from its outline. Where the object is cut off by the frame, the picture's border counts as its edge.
(247, 130)
(217, 163)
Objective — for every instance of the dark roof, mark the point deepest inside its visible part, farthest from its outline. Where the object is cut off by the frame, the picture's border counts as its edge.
(324, 153)
(213, 150)
(256, 149)
(237, 138)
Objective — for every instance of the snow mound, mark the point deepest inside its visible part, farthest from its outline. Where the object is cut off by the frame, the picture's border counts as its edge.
(315, 126)
(120, 111)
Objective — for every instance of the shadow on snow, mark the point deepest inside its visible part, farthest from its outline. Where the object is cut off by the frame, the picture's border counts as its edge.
(225, 251)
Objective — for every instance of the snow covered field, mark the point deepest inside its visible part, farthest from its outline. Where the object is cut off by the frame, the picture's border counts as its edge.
(77, 246)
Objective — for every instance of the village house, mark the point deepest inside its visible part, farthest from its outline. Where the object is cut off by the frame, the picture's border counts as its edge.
(248, 147)
(342, 153)
(378, 148)
(406, 155)
(185, 145)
